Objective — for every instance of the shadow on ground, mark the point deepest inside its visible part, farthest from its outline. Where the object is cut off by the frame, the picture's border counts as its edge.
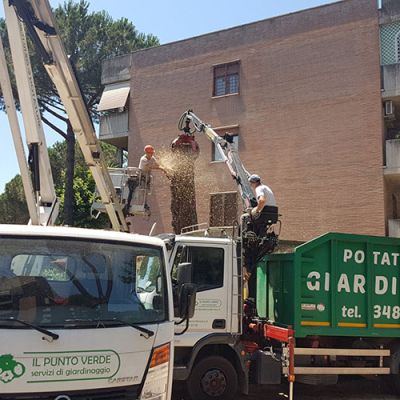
(350, 388)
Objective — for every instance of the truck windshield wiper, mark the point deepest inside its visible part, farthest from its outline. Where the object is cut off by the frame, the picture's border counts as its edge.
(46, 332)
(146, 333)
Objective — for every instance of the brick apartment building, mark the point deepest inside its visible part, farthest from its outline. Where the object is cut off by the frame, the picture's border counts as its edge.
(311, 97)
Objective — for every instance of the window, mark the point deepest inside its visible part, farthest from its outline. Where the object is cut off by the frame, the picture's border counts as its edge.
(65, 283)
(207, 265)
(226, 79)
(223, 208)
(233, 132)
(390, 43)
(216, 155)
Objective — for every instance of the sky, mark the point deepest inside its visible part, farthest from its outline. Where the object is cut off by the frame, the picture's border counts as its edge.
(170, 21)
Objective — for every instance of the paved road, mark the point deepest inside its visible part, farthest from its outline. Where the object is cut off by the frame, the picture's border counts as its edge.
(354, 389)
(347, 388)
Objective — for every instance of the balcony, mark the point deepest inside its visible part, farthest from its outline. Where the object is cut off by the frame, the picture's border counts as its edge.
(394, 227)
(114, 129)
(390, 81)
(392, 169)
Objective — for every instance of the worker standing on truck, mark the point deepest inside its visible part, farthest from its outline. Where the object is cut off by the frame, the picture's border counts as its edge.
(266, 205)
(258, 219)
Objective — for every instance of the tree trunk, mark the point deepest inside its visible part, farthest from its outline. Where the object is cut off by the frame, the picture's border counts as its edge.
(183, 193)
(69, 199)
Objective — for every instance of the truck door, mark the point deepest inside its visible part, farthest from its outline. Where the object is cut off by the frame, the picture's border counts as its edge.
(212, 280)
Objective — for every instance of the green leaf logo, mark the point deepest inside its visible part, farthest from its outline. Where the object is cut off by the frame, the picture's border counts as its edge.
(10, 369)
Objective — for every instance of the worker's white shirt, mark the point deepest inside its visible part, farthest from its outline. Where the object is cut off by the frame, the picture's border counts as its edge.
(264, 190)
(147, 165)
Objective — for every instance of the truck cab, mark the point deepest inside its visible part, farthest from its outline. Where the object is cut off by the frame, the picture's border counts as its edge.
(84, 313)
(208, 355)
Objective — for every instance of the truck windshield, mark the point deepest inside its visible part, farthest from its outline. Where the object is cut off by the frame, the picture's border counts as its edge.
(51, 282)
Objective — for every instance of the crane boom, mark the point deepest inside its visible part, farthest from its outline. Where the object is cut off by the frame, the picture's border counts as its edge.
(41, 27)
(40, 195)
(255, 241)
(227, 150)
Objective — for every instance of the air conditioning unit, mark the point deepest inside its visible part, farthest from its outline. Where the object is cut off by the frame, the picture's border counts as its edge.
(389, 109)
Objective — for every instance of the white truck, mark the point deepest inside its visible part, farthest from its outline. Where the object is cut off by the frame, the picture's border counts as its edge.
(83, 313)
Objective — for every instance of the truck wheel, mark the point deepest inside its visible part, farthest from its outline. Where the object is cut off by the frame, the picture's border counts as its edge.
(213, 378)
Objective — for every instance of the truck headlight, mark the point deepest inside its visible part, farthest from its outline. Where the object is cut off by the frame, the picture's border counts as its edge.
(156, 383)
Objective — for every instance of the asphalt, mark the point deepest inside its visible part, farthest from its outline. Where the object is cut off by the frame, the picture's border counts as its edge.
(349, 388)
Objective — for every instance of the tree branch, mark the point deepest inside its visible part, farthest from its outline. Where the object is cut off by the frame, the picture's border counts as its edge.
(52, 112)
(56, 106)
(54, 91)
(54, 127)
(94, 97)
(51, 100)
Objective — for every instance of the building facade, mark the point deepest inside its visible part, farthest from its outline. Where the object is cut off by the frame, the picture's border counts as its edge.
(311, 99)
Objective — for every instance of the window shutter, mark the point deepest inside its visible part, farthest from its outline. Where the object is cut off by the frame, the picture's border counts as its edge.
(216, 207)
(223, 208)
(232, 68)
(230, 208)
(220, 71)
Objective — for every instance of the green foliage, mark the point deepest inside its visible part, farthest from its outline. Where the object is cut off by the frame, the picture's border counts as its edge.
(13, 209)
(84, 185)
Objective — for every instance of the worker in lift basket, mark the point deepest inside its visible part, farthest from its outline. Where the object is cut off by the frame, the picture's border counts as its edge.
(148, 162)
(266, 205)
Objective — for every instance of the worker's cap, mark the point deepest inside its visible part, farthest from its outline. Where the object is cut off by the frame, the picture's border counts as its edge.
(149, 149)
(254, 178)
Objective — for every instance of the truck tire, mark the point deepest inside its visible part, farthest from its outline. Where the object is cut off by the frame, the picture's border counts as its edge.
(213, 378)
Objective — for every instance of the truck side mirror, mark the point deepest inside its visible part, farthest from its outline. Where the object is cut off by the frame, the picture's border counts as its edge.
(184, 292)
(187, 300)
(184, 273)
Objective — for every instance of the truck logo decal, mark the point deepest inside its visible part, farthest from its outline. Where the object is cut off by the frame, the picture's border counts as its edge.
(10, 369)
(77, 365)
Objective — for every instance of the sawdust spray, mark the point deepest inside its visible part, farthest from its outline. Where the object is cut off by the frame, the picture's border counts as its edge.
(180, 170)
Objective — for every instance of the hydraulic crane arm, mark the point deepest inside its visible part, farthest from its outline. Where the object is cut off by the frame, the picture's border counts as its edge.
(40, 24)
(37, 178)
(257, 239)
(226, 149)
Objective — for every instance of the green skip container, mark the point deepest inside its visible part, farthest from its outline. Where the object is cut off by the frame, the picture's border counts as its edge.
(334, 285)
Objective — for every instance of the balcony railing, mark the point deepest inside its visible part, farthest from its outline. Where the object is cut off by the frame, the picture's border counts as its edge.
(392, 169)
(394, 227)
(391, 81)
(114, 128)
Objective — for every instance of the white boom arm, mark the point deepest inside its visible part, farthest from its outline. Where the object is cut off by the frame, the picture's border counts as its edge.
(41, 26)
(40, 196)
(229, 155)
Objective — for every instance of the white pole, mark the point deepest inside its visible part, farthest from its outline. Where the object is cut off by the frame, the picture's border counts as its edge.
(5, 85)
(31, 114)
(290, 390)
